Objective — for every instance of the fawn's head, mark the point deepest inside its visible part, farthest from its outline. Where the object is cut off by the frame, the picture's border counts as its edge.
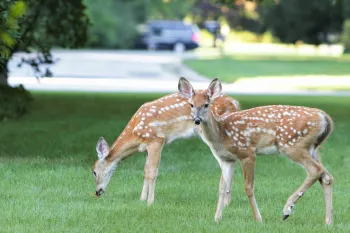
(103, 169)
(200, 100)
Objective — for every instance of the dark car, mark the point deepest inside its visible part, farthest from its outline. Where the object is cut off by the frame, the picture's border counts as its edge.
(169, 34)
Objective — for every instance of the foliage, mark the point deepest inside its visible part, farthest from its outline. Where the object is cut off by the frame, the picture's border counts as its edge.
(250, 37)
(36, 26)
(169, 9)
(346, 36)
(14, 101)
(9, 28)
(45, 24)
(46, 179)
(346, 9)
(239, 36)
(114, 23)
(309, 21)
(11, 13)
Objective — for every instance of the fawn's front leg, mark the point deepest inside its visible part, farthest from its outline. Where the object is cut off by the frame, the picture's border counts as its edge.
(227, 169)
(154, 150)
(228, 190)
(248, 165)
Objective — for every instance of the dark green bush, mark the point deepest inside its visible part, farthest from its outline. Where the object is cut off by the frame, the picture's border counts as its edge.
(113, 23)
(346, 36)
(14, 102)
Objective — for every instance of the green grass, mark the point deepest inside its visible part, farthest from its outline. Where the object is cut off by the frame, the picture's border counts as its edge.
(231, 68)
(46, 181)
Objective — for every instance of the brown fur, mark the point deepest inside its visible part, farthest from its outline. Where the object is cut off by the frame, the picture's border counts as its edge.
(291, 130)
(154, 124)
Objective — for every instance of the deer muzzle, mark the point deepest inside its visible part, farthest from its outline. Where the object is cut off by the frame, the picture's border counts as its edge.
(99, 192)
(197, 120)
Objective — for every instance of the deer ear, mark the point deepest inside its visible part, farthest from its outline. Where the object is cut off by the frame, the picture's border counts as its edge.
(214, 89)
(102, 148)
(185, 88)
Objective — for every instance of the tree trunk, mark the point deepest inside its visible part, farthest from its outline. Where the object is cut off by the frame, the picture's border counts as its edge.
(3, 73)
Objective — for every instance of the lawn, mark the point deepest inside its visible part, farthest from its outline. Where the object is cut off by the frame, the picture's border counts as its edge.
(46, 181)
(231, 68)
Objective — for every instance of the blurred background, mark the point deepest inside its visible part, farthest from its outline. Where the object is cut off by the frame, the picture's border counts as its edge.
(146, 45)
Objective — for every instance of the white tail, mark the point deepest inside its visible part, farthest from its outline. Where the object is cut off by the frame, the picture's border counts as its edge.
(291, 130)
(155, 123)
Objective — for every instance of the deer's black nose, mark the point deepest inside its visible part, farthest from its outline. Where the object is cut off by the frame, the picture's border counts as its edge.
(99, 192)
(197, 120)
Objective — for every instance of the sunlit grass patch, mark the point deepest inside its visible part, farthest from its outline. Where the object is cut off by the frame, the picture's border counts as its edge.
(231, 68)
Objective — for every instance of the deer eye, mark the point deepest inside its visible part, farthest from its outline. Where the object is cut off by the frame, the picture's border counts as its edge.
(94, 173)
(191, 105)
(206, 105)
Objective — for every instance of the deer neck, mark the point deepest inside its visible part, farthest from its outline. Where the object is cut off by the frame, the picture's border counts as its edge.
(122, 149)
(211, 130)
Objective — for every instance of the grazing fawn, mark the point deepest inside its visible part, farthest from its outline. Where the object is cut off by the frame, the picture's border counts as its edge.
(296, 132)
(155, 123)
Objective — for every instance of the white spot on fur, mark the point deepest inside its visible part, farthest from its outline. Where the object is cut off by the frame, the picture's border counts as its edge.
(142, 147)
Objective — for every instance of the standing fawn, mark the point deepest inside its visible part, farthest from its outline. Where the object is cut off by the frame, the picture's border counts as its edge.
(155, 123)
(294, 131)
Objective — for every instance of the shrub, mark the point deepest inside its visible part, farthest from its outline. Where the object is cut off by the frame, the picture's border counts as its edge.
(14, 102)
(113, 23)
(251, 37)
(346, 36)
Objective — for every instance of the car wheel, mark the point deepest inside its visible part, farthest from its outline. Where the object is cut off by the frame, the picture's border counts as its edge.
(151, 46)
(179, 47)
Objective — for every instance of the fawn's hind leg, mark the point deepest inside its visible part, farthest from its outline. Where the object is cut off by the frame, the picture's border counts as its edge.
(314, 172)
(144, 192)
(326, 181)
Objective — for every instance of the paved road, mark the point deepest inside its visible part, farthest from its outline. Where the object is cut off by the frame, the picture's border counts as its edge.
(143, 71)
(121, 71)
(104, 64)
(153, 86)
